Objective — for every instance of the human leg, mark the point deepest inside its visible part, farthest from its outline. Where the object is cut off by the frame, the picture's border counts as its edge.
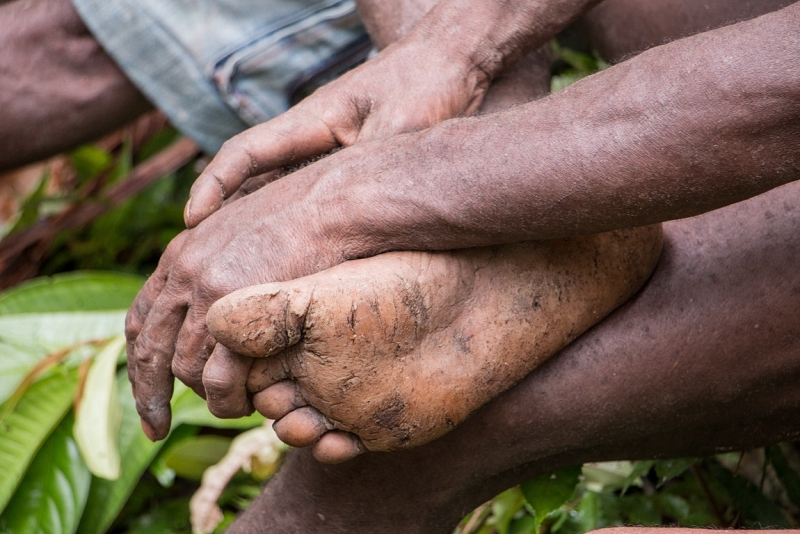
(702, 360)
(59, 88)
(400, 348)
(619, 29)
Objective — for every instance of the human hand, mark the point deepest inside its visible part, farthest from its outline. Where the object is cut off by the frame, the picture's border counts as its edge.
(404, 88)
(165, 326)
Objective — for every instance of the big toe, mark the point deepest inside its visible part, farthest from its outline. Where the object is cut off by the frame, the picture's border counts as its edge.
(262, 320)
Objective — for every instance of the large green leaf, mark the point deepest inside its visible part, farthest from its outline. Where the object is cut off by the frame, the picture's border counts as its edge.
(52, 495)
(26, 428)
(107, 497)
(190, 409)
(49, 314)
(80, 291)
(191, 457)
(100, 414)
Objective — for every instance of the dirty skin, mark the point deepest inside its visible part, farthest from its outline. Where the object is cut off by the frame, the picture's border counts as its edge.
(391, 352)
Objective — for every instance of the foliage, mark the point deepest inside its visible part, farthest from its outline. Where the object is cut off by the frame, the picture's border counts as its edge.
(130, 237)
(755, 489)
(73, 470)
(570, 65)
(91, 469)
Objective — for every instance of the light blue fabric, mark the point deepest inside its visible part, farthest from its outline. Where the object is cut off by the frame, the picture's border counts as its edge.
(216, 67)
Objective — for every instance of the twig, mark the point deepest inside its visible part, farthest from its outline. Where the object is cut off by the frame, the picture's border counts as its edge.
(477, 519)
(21, 253)
(701, 479)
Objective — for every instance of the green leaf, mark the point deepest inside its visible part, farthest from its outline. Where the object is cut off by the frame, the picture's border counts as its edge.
(89, 161)
(550, 491)
(190, 409)
(72, 292)
(640, 510)
(100, 414)
(106, 497)
(669, 469)
(29, 424)
(504, 507)
(53, 493)
(524, 525)
(170, 517)
(589, 511)
(675, 507)
(640, 469)
(49, 314)
(191, 457)
(29, 211)
(757, 510)
(788, 476)
(604, 476)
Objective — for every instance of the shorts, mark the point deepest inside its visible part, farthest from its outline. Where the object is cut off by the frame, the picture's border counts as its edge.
(217, 67)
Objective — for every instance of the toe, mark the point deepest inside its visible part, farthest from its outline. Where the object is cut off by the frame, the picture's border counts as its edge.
(261, 320)
(266, 372)
(302, 427)
(224, 378)
(278, 400)
(336, 447)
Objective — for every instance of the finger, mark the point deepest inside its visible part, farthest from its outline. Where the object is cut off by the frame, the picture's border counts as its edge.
(224, 378)
(137, 313)
(335, 447)
(289, 138)
(152, 357)
(265, 372)
(133, 326)
(302, 427)
(253, 184)
(151, 291)
(279, 399)
(193, 350)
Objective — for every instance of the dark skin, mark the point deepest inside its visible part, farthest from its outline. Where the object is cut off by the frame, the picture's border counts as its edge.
(703, 360)
(740, 258)
(588, 146)
(58, 88)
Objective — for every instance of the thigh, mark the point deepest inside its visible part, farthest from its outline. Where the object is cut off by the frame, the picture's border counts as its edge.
(58, 87)
(621, 28)
(712, 342)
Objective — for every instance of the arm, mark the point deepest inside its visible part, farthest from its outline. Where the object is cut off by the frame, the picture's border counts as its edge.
(684, 128)
(441, 69)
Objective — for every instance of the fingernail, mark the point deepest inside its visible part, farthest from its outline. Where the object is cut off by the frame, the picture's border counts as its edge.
(187, 213)
(148, 431)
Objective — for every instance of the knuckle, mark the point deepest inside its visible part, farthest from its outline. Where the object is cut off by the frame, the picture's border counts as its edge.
(133, 325)
(187, 370)
(218, 379)
(148, 352)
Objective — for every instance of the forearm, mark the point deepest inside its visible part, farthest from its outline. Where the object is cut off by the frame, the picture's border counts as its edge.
(387, 22)
(680, 130)
(492, 35)
(488, 35)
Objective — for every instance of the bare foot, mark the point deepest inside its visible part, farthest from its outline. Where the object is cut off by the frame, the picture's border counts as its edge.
(400, 348)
